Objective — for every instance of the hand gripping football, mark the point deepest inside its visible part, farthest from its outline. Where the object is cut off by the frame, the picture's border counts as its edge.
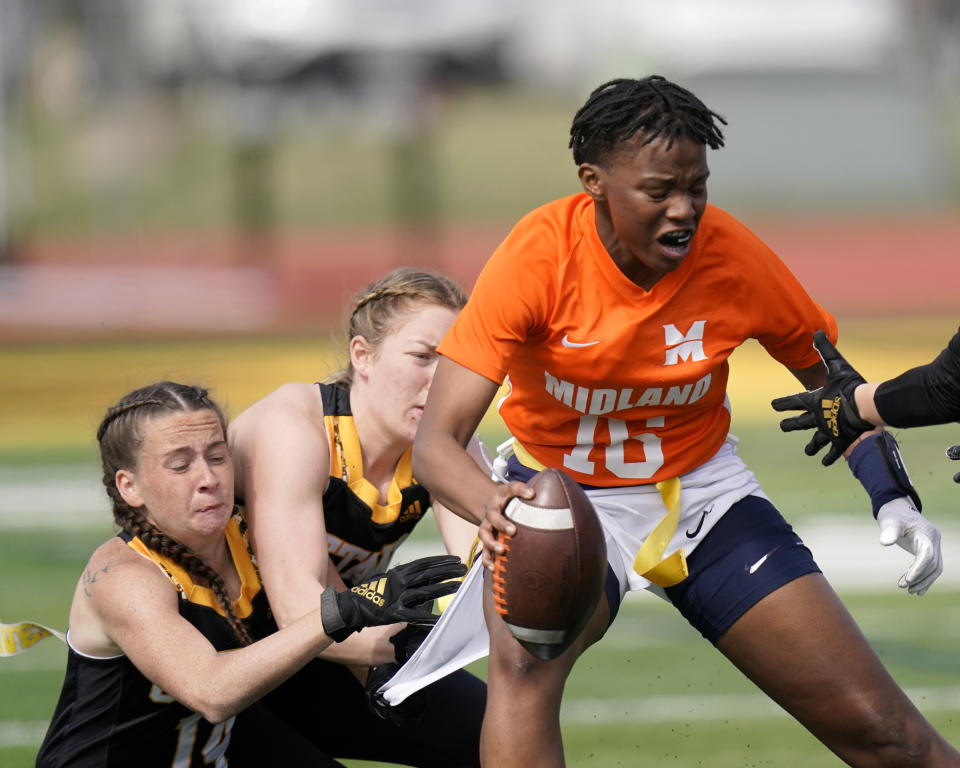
(547, 582)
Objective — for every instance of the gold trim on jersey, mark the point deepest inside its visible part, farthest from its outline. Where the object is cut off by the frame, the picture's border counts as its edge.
(200, 595)
(346, 462)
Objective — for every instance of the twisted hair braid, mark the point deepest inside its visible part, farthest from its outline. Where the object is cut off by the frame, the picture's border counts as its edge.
(653, 106)
(374, 313)
(120, 435)
(137, 525)
(118, 410)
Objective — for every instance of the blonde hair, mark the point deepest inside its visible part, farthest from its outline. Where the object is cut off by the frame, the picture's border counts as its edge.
(376, 310)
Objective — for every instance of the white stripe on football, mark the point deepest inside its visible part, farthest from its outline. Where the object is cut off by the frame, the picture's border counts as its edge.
(545, 518)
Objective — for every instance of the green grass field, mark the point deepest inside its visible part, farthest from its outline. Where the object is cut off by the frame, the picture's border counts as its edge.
(651, 693)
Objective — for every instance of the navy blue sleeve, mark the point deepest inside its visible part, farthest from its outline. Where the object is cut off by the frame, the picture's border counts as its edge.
(928, 394)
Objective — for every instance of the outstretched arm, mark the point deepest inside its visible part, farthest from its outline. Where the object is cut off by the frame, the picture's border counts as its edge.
(874, 458)
(282, 462)
(125, 603)
(828, 406)
(927, 394)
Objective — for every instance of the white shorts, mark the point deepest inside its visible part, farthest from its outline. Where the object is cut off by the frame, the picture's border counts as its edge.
(628, 515)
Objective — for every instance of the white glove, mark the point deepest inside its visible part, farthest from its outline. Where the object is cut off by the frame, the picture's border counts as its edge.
(901, 523)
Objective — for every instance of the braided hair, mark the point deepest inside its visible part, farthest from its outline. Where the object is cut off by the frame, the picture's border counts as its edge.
(653, 106)
(121, 438)
(374, 313)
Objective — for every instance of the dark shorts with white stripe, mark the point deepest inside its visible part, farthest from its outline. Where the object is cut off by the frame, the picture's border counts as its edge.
(751, 552)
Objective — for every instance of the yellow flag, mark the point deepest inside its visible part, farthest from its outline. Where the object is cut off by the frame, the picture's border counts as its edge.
(649, 561)
(16, 638)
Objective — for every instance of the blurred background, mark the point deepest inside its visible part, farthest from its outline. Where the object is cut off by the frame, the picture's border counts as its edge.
(237, 166)
(195, 189)
(239, 169)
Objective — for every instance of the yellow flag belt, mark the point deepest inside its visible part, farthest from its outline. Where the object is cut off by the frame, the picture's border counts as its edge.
(649, 562)
(16, 638)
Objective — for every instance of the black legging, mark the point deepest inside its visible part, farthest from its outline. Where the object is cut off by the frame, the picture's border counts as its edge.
(326, 708)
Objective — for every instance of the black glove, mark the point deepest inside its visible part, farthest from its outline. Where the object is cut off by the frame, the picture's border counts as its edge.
(953, 452)
(408, 712)
(400, 594)
(830, 410)
(407, 640)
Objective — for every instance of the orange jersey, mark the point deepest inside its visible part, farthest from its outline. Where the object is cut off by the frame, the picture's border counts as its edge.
(613, 383)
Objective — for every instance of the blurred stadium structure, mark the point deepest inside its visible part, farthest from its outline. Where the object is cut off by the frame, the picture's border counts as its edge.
(171, 166)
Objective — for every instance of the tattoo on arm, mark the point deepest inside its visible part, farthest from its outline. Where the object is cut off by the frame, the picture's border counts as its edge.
(90, 577)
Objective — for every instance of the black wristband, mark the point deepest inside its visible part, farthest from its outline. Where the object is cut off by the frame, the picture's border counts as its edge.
(333, 623)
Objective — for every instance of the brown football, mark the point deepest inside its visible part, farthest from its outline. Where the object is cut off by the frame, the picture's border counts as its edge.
(547, 583)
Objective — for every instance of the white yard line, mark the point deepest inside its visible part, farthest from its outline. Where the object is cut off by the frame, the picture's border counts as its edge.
(61, 497)
(846, 548)
(714, 707)
(19, 733)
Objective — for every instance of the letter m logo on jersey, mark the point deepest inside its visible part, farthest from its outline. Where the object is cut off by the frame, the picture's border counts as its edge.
(684, 347)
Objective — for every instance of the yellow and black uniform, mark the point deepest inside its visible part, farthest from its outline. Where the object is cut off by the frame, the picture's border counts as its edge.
(363, 534)
(110, 716)
(325, 701)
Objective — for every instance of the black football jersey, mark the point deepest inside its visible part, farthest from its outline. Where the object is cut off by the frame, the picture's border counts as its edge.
(110, 716)
(363, 534)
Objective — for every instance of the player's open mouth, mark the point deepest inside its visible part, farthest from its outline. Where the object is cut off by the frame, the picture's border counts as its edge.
(677, 242)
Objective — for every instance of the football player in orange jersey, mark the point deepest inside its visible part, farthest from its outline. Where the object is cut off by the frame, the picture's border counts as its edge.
(613, 312)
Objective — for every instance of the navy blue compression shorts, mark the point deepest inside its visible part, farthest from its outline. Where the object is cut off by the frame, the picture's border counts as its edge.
(751, 552)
